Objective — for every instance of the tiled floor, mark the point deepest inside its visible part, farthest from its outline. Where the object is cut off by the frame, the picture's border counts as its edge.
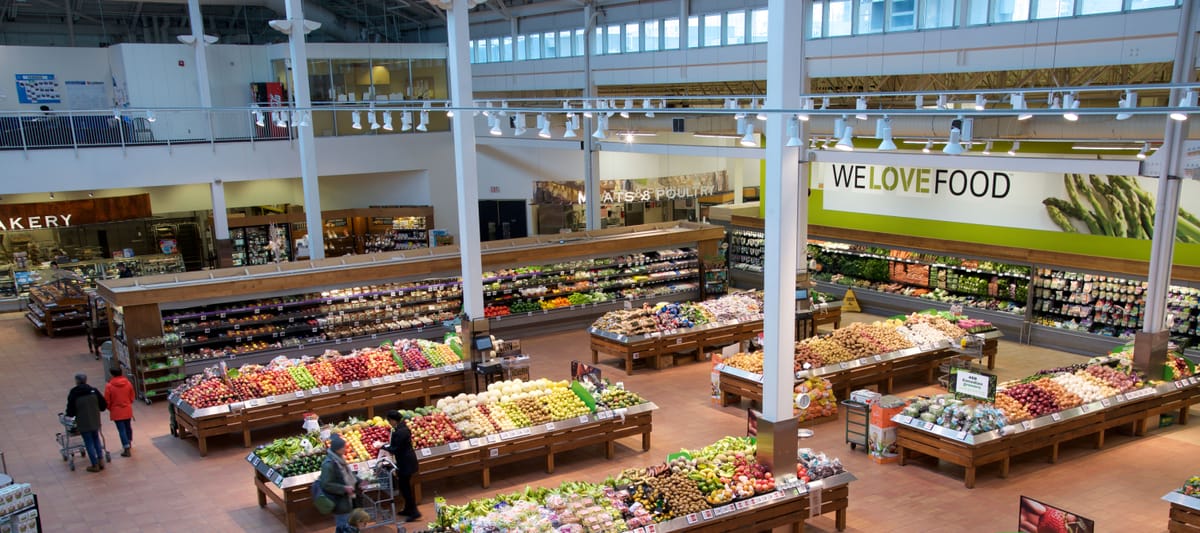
(167, 486)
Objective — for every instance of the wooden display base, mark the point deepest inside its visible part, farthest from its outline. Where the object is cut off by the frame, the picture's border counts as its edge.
(1041, 435)
(734, 388)
(294, 496)
(1185, 514)
(292, 409)
(659, 352)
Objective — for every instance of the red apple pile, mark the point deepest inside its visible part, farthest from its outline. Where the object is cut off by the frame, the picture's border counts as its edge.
(754, 473)
(434, 429)
(247, 386)
(208, 393)
(380, 363)
(351, 368)
(323, 372)
(371, 435)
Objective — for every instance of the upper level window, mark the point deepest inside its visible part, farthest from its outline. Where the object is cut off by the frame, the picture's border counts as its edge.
(1048, 9)
(758, 26)
(1148, 4)
(1093, 7)
(937, 14)
(550, 44)
(535, 46)
(598, 41)
(521, 48)
(613, 39)
(564, 43)
(977, 12)
(903, 16)
(671, 34)
(1010, 10)
(871, 14)
(652, 35)
(712, 30)
(735, 27)
(693, 29)
(471, 51)
(506, 49)
(818, 20)
(633, 37)
(494, 49)
(840, 22)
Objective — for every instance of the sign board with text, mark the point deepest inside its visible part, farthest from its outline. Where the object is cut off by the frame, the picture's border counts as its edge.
(968, 384)
(69, 213)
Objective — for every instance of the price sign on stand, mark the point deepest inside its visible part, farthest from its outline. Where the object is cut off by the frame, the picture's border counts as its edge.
(426, 452)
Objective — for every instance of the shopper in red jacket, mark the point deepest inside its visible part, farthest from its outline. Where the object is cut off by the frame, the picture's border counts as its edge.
(119, 396)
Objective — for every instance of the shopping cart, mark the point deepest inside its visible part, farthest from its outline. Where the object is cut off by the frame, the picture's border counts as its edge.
(377, 499)
(70, 442)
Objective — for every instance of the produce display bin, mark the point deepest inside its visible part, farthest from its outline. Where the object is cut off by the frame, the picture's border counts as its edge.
(659, 348)
(480, 455)
(243, 417)
(915, 437)
(1185, 513)
(784, 507)
(879, 370)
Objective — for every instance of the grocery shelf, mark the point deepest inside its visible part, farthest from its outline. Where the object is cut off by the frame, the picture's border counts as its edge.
(1065, 340)
(888, 304)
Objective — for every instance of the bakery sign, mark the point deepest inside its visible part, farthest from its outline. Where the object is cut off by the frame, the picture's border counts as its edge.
(70, 213)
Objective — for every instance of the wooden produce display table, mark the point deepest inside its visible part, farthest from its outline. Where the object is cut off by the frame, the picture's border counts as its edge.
(286, 408)
(660, 348)
(879, 370)
(1185, 513)
(480, 455)
(914, 437)
(822, 315)
(784, 507)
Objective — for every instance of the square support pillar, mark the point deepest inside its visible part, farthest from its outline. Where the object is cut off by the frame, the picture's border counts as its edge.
(1150, 351)
(777, 445)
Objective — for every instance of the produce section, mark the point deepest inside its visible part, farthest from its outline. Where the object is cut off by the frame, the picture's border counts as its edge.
(864, 354)
(256, 396)
(444, 450)
(657, 333)
(1040, 411)
(720, 487)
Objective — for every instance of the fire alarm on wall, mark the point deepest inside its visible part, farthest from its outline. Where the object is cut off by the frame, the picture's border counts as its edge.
(181, 62)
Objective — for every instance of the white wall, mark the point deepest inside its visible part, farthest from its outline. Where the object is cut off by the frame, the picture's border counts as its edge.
(67, 64)
(384, 188)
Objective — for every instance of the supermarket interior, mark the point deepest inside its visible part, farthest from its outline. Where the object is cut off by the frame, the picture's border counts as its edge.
(600, 266)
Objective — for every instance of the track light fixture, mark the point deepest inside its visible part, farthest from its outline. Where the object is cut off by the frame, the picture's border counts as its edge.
(943, 102)
(648, 107)
(281, 119)
(487, 106)
(601, 128)
(1144, 152)
(387, 120)
(860, 104)
(356, 120)
(824, 103)
(1069, 104)
(749, 139)
(805, 104)
(1188, 100)
(919, 102)
(150, 116)
(846, 141)
(51, 196)
(741, 125)
(980, 102)
(519, 124)
(628, 106)
(544, 130)
(371, 120)
(1012, 150)
(883, 131)
(494, 120)
(587, 113)
(1018, 103)
(928, 146)
(406, 121)
(954, 145)
(839, 125)
(760, 115)
(793, 131)
(503, 109)
(423, 125)
(301, 119)
(258, 119)
(1127, 101)
(987, 148)
(449, 112)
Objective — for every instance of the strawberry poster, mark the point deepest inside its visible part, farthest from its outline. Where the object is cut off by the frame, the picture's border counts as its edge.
(1038, 517)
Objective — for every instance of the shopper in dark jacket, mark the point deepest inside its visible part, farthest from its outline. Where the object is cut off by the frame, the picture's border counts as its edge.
(406, 463)
(339, 483)
(118, 394)
(85, 403)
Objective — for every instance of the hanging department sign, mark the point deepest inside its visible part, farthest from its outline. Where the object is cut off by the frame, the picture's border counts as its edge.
(1115, 206)
(52, 215)
(633, 190)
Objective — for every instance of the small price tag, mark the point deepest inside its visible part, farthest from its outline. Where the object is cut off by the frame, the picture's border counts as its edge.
(375, 381)
(741, 505)
(493, 438)
(222, 315)
(279, 309)
(476, 442)
(291, 320)
(374, 336)
(494, 452)
(1085, 407)
(454, 446)
(843, 365)
(961, 435)
(1027, 425)
(389, 378)
(314, 330)
(207, 331)
(1055, 417)
(706, 514)
(927, 425)
(583, 419)
(878, 358)
(299, 394)
(550, 426)
(251, 403)
(257, 311)
(1120, 398)
(426, 452)
(317, 390)
(692, 518)
(355, 384)
(1105, 402)
(336, 387)
(905, 419)
(459, 366)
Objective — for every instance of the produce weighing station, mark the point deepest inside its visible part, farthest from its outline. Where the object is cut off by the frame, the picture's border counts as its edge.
(476, 455)
(915, 437)
(879, 370)
(660, 348)
(242, 417)
(1185, 513)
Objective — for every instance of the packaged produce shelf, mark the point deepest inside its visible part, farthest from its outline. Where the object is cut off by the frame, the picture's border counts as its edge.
(476, 455)
(880, 369)
(915, 437)
(1185, 513)
(243, 417)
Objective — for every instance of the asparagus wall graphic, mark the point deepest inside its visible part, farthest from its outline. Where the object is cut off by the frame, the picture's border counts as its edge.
(1114, 206)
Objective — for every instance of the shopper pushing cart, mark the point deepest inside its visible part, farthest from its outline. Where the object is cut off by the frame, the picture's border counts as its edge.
(84, 404)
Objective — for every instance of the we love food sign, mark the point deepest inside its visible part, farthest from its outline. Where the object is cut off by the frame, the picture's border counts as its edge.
(1114, 206)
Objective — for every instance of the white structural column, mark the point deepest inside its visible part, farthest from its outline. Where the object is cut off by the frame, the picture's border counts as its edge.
(304, 131)
(591, 160)
(220, 214)
(1151, 343)
(779, 276)
(466, 171)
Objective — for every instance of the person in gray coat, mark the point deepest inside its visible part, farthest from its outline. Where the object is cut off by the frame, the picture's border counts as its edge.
(85, 403)
(339, 483)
